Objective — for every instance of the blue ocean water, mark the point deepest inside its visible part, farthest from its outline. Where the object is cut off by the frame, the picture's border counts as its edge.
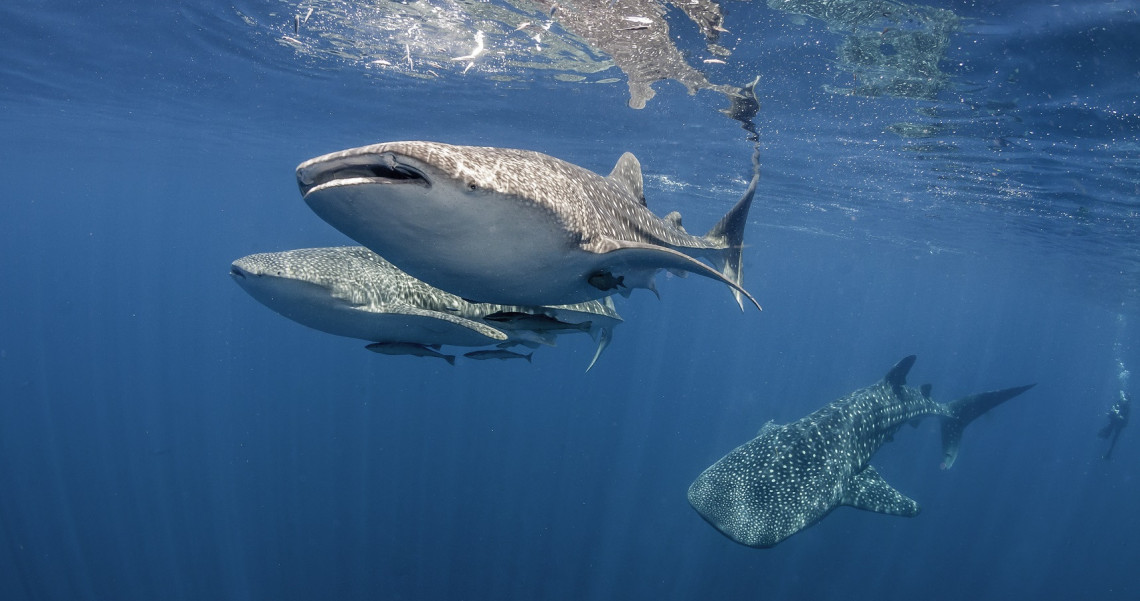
(164, 436)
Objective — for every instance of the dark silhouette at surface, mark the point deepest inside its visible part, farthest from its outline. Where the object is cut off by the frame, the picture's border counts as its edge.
(1117, 419)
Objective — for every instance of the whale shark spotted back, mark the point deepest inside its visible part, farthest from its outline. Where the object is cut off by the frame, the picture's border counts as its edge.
(791, 476)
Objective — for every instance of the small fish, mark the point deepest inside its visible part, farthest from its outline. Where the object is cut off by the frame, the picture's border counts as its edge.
(497, 354)
(535, 321)
(408, 348)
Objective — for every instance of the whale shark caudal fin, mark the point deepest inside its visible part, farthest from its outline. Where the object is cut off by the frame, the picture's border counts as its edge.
(729, 232)
(868, 491)
(965, 410)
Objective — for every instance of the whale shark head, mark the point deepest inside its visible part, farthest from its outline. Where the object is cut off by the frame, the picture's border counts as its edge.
(443, 213)
(289, 287)
(352, 292)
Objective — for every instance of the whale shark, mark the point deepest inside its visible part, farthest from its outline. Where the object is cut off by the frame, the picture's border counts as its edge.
(514, 227)
(351, 291)
(791, 476)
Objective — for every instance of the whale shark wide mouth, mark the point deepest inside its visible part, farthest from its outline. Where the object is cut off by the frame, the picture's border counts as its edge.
(384, 168)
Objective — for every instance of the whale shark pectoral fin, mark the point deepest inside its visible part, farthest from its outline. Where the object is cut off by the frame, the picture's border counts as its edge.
(637, 262)
(604, 337)
(868, 491)
(494, 334)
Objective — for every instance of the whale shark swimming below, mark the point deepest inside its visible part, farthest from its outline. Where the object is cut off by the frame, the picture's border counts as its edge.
(351, 291)
(789, 477)
(516, 227)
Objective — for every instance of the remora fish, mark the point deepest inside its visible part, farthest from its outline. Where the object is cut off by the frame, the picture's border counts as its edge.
(499, 225)
(497, 354)
(536, 322)
(409, 348)
(351, 291)
(790, 477)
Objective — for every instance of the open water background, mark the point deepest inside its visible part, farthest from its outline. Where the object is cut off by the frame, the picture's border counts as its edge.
(163, 436)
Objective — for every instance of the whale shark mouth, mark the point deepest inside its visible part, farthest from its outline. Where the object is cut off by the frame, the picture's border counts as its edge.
(384, 169)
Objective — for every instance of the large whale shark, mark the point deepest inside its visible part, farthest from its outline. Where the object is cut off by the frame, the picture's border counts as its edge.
(351, 291)
(517, 227)
(790, 477)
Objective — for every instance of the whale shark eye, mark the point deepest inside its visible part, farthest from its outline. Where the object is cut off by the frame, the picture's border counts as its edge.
(473, 187)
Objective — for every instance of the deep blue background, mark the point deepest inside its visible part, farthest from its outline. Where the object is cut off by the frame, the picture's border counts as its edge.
(163, 436)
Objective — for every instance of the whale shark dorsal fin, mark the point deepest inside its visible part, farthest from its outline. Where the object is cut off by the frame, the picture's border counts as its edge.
(627, 174)
(897, 376)
(674, 219)
(867, 490)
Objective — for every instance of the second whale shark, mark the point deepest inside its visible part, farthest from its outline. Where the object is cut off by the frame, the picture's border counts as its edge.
(351, 291)
(514, 227)
(790, 477)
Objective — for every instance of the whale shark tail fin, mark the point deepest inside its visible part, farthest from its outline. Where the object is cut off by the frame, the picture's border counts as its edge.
(729, 234)
(963, 411)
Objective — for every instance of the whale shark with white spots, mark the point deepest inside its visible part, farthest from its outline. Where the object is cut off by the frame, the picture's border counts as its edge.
(789, 477)
(351, 291)
(514, 227)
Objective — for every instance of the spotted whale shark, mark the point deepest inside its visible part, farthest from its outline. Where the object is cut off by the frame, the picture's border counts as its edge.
(353, 292)
(791, 476)
(514, 227)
